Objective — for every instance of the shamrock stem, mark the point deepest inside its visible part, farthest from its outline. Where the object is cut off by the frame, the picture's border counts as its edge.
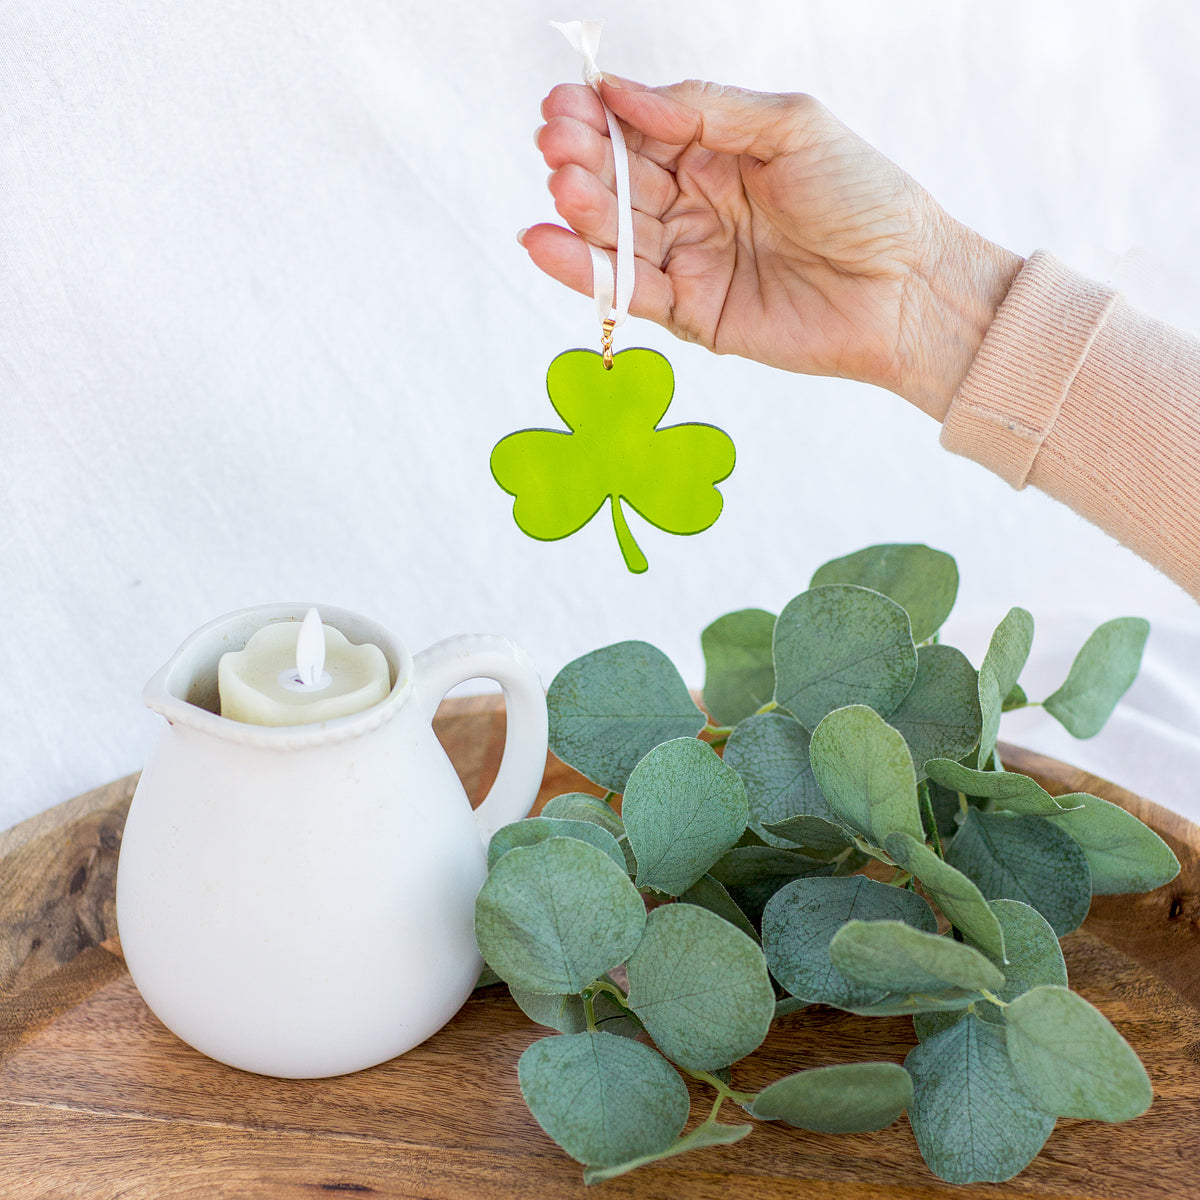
(635, 560)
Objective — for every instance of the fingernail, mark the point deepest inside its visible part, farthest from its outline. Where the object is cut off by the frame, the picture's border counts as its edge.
(521, 236)
(616, 82)
(537, 137)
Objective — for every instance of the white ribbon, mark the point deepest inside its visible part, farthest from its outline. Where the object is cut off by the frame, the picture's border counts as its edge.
(612, 294)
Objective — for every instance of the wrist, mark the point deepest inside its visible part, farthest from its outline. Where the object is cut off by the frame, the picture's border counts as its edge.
(957, 296)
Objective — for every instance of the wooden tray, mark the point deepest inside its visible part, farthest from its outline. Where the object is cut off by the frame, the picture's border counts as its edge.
(98, 1100)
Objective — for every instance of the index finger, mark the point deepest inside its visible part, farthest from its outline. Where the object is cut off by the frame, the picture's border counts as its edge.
(576, 100)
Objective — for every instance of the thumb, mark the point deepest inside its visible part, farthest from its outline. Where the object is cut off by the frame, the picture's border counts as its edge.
(730, 120)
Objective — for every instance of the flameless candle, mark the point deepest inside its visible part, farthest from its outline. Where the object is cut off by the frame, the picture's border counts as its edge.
(300, 673)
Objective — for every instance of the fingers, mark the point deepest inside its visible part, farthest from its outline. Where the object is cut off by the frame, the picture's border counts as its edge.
(565, 257)
(565, 140)
(591, 210)
(726, 119)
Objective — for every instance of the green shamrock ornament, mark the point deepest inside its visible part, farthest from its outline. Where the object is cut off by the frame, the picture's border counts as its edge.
(613, 451)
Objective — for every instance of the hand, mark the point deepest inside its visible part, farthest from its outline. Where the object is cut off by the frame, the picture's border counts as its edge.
(764, 227)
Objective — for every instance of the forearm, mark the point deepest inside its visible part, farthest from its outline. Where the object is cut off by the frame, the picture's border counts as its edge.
(1094, 403)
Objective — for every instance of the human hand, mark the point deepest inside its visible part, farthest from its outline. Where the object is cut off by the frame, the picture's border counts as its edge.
(764, 227)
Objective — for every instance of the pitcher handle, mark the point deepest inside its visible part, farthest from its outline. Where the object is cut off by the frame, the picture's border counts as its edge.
(448, 663)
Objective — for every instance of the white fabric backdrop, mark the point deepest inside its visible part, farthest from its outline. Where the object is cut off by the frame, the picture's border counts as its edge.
(263, 316)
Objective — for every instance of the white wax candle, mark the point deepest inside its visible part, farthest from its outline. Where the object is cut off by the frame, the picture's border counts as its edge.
(279, 678)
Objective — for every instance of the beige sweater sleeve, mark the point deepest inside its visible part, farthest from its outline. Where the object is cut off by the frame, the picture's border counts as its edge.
(1093, 402)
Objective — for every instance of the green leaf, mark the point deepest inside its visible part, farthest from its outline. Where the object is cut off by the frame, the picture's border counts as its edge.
(954, 893)
(922, 581)
(739, 674)
(603, 1099)
(841, 645)
(568, 1015)
(580, 806)
(1006, 656)
(532, 830)
(710, 1133)
(801, 920)
(852, 1098)
(971, 1118)
(609, 708)
(1124, 855)
(818, 835)
(865, 771)
(770, 753)
(746, 865)
(707, 893)
(1100, 675)
(613, 452)
(899, 958)
(700, 987)
(1008, 651)
(1015, 699)
(940, 716)
(1011, 790)
(556, 916)
(905, 1004)
(683, 809)
(1011, 857)
(1071, 1061)
(1034, 958)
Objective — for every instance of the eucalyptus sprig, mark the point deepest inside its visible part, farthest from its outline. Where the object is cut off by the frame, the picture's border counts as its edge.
(849, 734)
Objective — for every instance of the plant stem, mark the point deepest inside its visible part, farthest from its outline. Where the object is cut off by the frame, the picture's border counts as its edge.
(930, 819)
(610, 989)
(721, 731)
(994, 999)
(724, 1091)
(589, 1010)
(770, 706)
(609, 797)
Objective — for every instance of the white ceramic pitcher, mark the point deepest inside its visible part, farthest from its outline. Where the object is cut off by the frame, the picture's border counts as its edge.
(299, 901)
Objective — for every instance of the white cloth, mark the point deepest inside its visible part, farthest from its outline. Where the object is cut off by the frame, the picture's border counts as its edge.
(263, 317)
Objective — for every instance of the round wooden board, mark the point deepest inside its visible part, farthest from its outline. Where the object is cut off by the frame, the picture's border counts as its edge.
(98, 1100)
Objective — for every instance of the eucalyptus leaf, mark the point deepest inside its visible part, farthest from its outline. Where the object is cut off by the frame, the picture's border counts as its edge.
(529, 916)
(816, 835)
(580, 806)
(1034, 958)
(940, 717)
(841, 645)
(865, 771)
(1016, 698)
(922, 581)
(1008, 651)
(568, 1015)
(1011, 790)
(1006, 656)
(852, 1098)
(739, 674)
(1124, 855)
(1100, 675)
(971, 1117)
(603, 1099)
(770, 753)
(914, 1004)
(746, 865)
(1071, 1061)
(706, 892)
(710, 1133)
(945, 809)
(801, 920)
(1011, 857)
(609, 708)
(895, 956)
(700, 987)
(683, 808)
(955, 894)
(532, 830)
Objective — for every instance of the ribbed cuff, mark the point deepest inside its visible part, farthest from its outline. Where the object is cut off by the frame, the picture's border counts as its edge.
(1033, 350)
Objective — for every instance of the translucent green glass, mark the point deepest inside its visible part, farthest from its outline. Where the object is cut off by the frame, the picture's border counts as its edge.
(613, 451)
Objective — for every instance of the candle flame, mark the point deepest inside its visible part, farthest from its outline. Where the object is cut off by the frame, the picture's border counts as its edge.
(310, 649)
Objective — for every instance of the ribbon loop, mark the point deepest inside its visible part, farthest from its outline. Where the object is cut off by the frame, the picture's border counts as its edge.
(612, 284)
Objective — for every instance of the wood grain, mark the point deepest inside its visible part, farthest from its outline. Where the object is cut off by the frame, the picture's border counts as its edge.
(98, 1100)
